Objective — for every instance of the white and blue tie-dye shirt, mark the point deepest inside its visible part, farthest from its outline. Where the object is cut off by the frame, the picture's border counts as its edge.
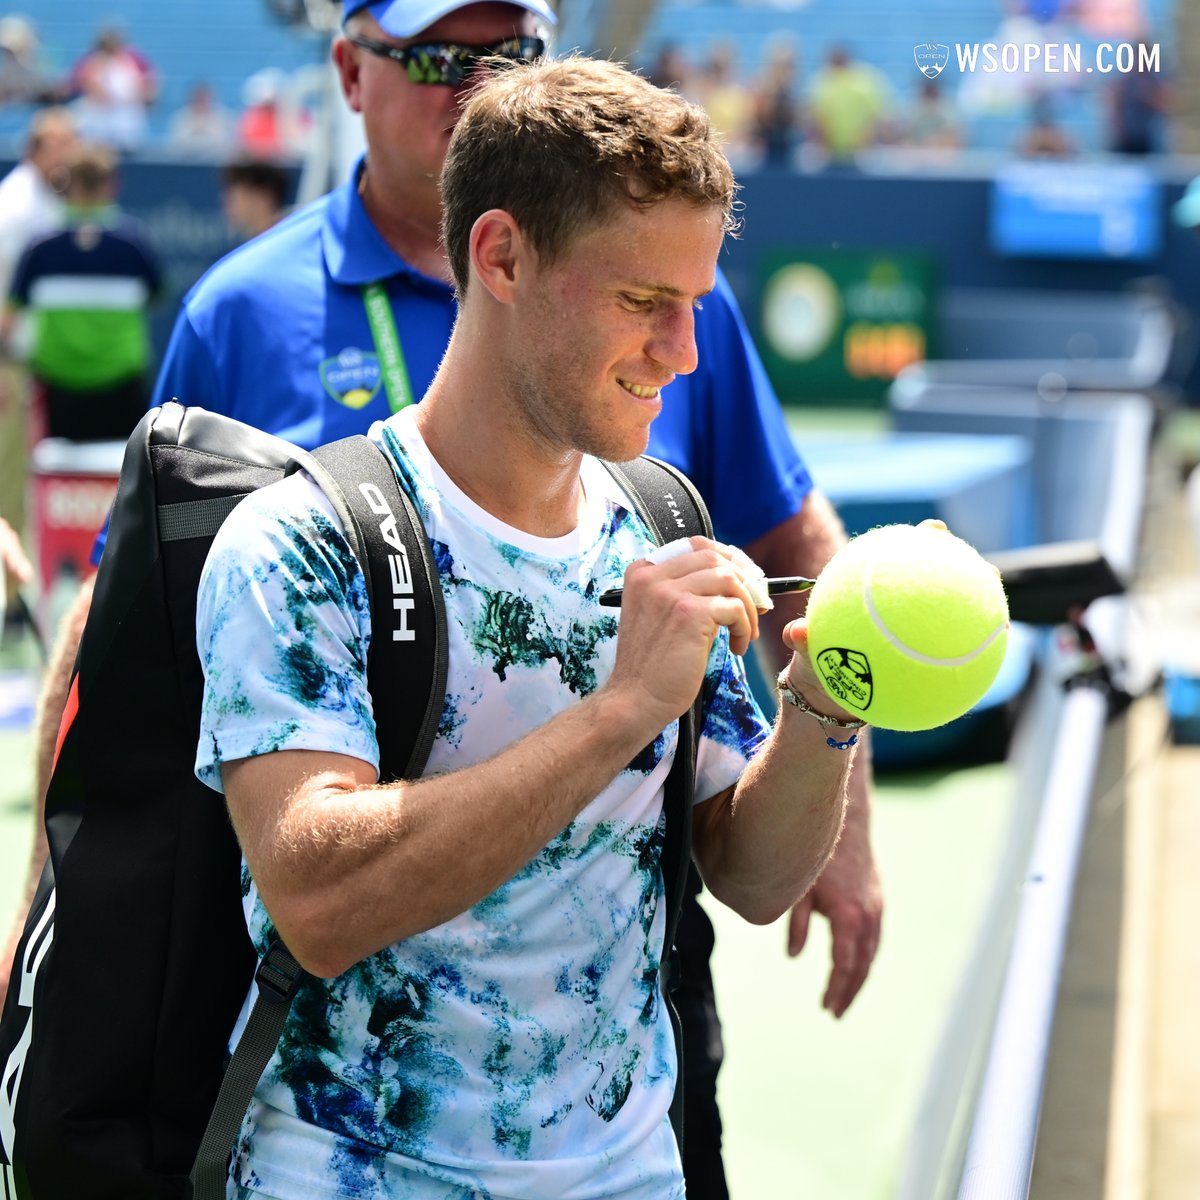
(520, 1051)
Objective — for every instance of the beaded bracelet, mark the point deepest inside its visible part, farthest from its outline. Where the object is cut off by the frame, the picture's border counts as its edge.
(793, 697)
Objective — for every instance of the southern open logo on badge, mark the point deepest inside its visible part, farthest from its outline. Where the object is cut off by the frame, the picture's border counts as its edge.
(352, 378)
(846, 675)
(932, 58)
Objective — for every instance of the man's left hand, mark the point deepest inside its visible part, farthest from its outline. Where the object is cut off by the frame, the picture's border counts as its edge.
(849, 896)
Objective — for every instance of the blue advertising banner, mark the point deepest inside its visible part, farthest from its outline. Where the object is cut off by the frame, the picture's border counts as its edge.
(1075, 210)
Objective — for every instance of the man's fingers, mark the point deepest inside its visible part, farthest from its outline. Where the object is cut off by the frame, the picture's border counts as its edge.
(739, 615)
(853, 952)
(706, 570)
(798, 924)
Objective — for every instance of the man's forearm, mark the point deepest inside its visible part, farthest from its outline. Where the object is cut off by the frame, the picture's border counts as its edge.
(346, 867)
(856, 832)
(762, 848)
(776, 842)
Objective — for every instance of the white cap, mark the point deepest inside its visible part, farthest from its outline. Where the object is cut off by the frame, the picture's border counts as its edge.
(407, 18)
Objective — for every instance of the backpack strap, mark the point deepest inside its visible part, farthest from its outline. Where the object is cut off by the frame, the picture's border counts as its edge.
(279, 977)
(408, 614)
(388, 539)
(672, 508)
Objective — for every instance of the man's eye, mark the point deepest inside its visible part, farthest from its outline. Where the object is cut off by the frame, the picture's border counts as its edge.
(638, 303)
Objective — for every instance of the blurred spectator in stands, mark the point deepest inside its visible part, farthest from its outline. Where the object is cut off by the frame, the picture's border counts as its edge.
(31, 194)
(933, 122)
(848, 107)
(672, 69)
(30, 205)
(1045, 137)
(777, 115)
(22, 79)
(115, 85)
(1112, 19)
(87, 289)
(253, 194)
(260, 125)
(1046, 12)
(202, 128)
(726, 100)
(985, 92)
(269, 125)
(1139, 103)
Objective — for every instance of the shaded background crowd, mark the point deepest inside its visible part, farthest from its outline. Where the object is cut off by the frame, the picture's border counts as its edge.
(789, 83)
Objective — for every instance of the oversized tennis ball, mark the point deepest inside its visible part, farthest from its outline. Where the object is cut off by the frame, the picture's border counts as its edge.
(907, 626)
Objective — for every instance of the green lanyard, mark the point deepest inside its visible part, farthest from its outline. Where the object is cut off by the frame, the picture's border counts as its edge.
(387, 346)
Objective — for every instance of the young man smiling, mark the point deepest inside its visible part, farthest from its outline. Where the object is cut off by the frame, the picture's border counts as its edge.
(285, 334)
(584, 212)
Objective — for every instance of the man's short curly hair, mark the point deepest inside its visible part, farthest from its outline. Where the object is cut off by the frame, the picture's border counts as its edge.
(561, 142)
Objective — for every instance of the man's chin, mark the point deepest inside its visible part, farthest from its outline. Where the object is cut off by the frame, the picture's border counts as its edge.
(631, 446)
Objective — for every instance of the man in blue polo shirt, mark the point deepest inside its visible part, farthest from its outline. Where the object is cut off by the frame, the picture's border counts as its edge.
(340, 315)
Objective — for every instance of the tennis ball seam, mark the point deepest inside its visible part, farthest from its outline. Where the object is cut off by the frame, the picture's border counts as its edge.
(960, 660)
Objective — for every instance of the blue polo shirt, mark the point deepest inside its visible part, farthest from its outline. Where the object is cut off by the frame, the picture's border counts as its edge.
(276, 334)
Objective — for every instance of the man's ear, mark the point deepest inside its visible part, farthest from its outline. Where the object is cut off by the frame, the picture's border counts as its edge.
(346, 63)
(498, 253)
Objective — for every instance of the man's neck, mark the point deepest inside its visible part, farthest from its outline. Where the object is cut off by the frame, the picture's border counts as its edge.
(493, 459)
(415, 236)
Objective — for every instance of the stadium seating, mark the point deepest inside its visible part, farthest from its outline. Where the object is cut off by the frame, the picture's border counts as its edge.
(879, 33)
(226, 41)
(220, 42)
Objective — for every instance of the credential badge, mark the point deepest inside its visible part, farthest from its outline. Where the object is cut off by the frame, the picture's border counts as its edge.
(352, 377)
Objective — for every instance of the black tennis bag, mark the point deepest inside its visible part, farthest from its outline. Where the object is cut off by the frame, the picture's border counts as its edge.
(115, 1083)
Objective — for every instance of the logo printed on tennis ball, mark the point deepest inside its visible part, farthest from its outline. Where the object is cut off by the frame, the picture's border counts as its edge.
(846, 676)
(907, 627)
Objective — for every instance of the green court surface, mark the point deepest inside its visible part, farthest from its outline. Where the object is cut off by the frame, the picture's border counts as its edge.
(815, 1109)
(818, 1109)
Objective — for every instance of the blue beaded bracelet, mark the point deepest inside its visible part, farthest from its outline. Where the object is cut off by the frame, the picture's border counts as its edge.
(793, 697)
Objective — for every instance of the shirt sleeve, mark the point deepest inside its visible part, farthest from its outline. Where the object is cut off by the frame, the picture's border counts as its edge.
(187, 373)
(734, 727)
(282, 631)
(18, 289)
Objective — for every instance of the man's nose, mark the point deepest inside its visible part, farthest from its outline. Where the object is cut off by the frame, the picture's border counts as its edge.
(674, 341)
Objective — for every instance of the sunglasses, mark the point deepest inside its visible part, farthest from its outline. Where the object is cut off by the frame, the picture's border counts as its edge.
(447, 62)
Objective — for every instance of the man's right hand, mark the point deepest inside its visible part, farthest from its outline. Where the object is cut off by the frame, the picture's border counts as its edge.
(673, 605)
